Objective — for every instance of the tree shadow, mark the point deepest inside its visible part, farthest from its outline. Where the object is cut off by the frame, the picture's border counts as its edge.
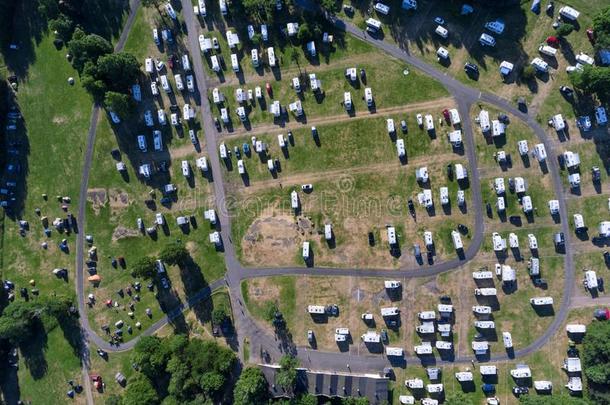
(33, 350)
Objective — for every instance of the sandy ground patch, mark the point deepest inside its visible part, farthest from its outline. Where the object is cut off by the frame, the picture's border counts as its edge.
(118, 198)
(120, 232)
(98, 197)
(272, 239)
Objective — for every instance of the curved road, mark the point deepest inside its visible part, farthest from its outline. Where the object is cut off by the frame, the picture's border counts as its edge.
(246, 327)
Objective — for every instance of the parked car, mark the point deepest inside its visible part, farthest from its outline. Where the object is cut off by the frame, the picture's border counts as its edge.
(518, 391)
(439, 20)
(307, 187)
(471, 68)
(602, 314)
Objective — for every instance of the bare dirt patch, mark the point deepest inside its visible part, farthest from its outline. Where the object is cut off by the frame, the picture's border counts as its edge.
(120, 232)
(272, 240)
(118, 198)
(98, 197)
(60, 119)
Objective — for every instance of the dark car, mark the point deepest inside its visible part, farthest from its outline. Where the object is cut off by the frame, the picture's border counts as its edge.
(450, 171)
(602, 314)
(462, 228)
(518, 391)
(314, 132)
(246, 149)
(403, 126)
(521, 104)
(488, 388)
(411, 207)
(559, 240)
(371, 239)
(217, 123)
(362, 74)
(566, 91)
(384, 336)
(471, 68)
(596, 174)
(332, 310)
(539, 282)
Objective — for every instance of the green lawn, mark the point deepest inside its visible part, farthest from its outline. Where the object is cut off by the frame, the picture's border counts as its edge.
(286, 301)
(390, 88)
(353, 143)
(354, 205)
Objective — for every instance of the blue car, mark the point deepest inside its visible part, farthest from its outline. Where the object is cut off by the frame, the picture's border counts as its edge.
(488, 388)
(246, 149)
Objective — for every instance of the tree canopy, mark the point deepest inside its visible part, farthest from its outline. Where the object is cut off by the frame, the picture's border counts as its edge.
(174, 253)
(87, 48)
(144, 267)
(251, 388)
(287, 375)
(596, 361)
(601, 28)
(140, 391)
(122, 104)
(593, 80)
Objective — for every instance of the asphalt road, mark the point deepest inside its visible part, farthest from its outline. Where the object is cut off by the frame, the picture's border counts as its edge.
(246, 328)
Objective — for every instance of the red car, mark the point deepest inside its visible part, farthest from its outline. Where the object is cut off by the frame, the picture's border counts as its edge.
(553, 41)
(446, 115)
(591, 35)
(269, 90)
(602, 314)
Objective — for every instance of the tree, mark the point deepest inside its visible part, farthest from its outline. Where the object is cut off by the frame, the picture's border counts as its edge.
(112, 399)
(564, 30)
(458, 398)
(140, 391)
(151, 357)
(601, 27)
(145, 267)
(593, 80)
(287, 375)
(331, 6)
(260, 11)
(87, 48)
(211, 383)
(528, 73)
(355, 401)
(19, 320)
(119, 103)
(596, 361)
(174, 253)
(251, 388)
(219, 315)
(304, 33)
(118, 71)
(295, 57)
(63, 25)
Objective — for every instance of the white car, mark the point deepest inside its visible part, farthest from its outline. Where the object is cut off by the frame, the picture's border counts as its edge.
(154, 89)
(307, 187)
(190, 83)
(420, 120)
(148, 119)
(115, 118)
(161, 117)
(159, 219)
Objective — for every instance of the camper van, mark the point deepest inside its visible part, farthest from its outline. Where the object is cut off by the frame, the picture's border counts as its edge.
(540, 65)
(254, 54)
(223, 7)
(368, 96)
(179, 83)
(234, 63)
(373, 25)
(142, 143)
(547, 50)
(271, 56)
(215, 63)
(347, 101)
(157, 140)
(165, 84)
(186, 64)
(442, 32)
(487, 40)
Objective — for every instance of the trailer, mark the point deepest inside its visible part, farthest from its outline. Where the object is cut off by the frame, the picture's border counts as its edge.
(392, 284)
(400, 147)
(390, 311)
(576, 329)
(591, 280)
(521, 371)
(485, 292)
(426, 315)
(423, 349)
(426, 328)
(394, 351)
(306, 250)
(488, 370)
(541, 301)
(507, 339)
(443, 345)
(457, 240)
(480, 347)
(485, 324)
(523, 148)
(481, 310)
(543, 385)
(464, 376)
(371, 337)
(414, 383)
(316, 309)
(532, 241)
(390, 126)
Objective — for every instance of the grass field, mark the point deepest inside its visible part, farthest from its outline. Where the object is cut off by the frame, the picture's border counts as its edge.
(390, 88)
(342, 145)
(355, 204)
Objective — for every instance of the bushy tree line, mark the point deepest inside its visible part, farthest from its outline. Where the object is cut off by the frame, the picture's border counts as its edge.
(596, 362)
(177, 370)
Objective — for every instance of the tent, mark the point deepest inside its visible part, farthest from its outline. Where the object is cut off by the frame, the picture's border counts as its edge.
(94, 279)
